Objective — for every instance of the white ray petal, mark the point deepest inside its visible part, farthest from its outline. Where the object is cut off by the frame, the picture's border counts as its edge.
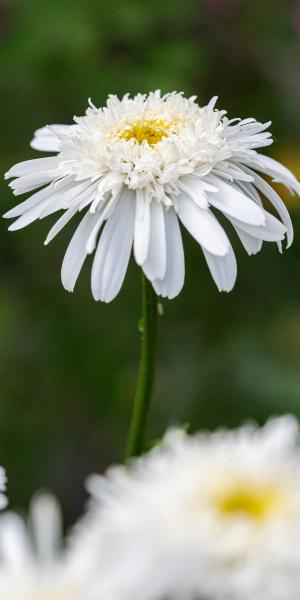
(31, 202)
(114, 248)
(251, 243)
(29, 216)
(46, 524)
(45, 202)
(212, 103)
(155, 265)
(276, 201)
(85, 197)
(48, 201)
(44, 139)
(203, 226)
(68, 198)
(76, 252)
(104, 214)
(60, 224)
(272, 231)
(232, 202)
(250, 190)
(275, 169)
(141, 227)
(223, 269)
(30, 167)
(14, 544)
(27, 183)
(196, 188)
(230, 171)
(173, 281)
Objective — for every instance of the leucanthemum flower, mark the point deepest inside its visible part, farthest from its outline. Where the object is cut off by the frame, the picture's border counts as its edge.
(33, 565)
(141, 165)
(3, 499)
(211, 516)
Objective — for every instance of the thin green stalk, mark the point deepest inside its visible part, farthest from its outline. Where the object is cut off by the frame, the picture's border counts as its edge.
(146, 372)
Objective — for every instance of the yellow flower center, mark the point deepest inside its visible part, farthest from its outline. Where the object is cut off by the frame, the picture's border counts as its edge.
(255, 502)
(146, 130)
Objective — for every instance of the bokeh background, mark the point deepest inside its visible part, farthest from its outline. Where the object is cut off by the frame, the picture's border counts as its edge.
(68, 364)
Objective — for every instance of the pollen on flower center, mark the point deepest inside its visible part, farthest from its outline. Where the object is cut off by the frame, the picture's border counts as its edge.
(255, 502)
(147, 130)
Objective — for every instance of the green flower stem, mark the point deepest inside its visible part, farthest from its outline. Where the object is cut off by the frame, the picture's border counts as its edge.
(144, 388)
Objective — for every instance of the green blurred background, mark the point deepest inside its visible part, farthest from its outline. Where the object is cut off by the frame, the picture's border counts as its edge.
(68, 364)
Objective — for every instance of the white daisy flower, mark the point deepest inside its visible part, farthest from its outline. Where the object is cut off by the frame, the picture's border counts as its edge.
(3, 499)
(210, 516)
(140, 166)
(33, 565)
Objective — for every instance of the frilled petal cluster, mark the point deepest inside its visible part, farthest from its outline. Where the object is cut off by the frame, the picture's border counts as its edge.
(137, 168)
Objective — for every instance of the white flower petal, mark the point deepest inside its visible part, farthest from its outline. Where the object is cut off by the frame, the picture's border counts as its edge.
(251, 244)
(275, 169)
(212, 103)
(45, 139)
(203, 226)
(28, 217)
(60, 223)
(3, 501)
(155, 265)
(45, 202)
(76, 252)
(30, 203)
(231, 172)
(250, 191)
(14, 547)
(196, 188)
(276, 201)
(27, 183)
(223, 269)
(141, 227)
(30, 167)
(114, 248)
(232, 202)
(104, 213)
(46, 524)
(272, 231)
(48, 201)
(68, 197)
(173, 281)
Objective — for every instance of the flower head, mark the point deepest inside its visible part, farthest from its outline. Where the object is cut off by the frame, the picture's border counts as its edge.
(140, 165)
(33, 565)
(212, 516)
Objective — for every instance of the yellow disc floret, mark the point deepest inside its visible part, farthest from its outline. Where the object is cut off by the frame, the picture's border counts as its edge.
(146, 130)
(253, 501)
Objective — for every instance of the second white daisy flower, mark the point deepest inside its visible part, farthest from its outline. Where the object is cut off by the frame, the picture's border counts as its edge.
(213, 516)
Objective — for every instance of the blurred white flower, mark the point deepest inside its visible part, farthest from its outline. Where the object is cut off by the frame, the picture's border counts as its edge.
(3, 499)
(210, 516)
(33, 565)
(140, 165)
